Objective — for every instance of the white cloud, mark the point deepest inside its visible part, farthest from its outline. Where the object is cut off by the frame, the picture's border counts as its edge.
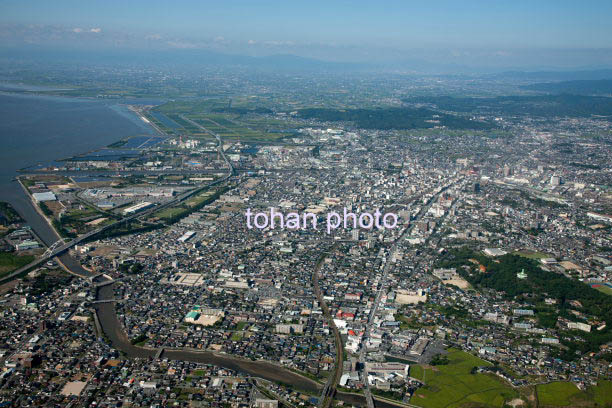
(96, 30)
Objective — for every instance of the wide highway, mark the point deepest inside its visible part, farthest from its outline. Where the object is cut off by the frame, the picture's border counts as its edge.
(60, 249)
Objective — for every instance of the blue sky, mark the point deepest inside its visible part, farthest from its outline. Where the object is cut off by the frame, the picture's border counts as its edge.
(325, 29)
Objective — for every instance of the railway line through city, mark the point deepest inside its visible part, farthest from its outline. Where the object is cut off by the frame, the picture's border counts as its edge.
(107, 321)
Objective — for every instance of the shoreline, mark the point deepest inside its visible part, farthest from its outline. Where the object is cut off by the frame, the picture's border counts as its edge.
(111, 327)
(20, 199)
(37, 208)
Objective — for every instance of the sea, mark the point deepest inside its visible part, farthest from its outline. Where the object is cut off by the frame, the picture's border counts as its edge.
(37, 129)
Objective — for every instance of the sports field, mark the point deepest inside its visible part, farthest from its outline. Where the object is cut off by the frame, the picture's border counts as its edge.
(602, 287)
(531, 255)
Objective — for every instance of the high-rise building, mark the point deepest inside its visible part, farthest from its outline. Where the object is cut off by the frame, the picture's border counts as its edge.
(555, 180)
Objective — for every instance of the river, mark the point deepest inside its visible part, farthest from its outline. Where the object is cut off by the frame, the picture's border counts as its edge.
(37, 130)
(112, 328)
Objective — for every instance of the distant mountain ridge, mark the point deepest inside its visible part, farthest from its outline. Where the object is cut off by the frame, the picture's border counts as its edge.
(193, 58)
(578, 87)
(545, 76)
(187, 58)
(555, 105)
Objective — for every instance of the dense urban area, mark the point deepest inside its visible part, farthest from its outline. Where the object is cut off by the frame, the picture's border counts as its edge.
(494, 288)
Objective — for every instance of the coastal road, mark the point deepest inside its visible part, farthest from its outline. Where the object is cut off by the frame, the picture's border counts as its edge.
(61, 249)
(113, 330)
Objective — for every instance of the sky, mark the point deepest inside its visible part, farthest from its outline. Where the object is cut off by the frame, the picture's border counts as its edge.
(512, 33)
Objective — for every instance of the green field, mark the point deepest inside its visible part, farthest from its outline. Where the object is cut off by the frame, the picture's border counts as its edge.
(236, 336)
(564, 394)
(602, 394)
(416, 371)
(74, 222)
(199, 199)
(242, 325)
(183, 209)
(246, 120)
(452, 385)
(228, 127)
(9, 262)
(173, 214)
(557, 393)
(169, 212)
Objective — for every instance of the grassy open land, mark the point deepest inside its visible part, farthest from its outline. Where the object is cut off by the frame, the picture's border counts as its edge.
(407, 323)
(228, 127)
(168, 213)
(453, 385)
(416, 371)
(557, 393)
(564, 394)
(75, 221)
(242, 325)
(243, 119)
(602, 393)
(132, 227)
(173, 214)
(10, 261)
(238, 105)
(199, 199)
(532, 255)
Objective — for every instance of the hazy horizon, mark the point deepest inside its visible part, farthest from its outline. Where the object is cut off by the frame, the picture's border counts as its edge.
(478, 35)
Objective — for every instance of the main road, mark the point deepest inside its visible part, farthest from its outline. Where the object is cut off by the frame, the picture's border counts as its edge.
(381, 288)
(111, 326)
(53, 237)
(115, 333)
(329, 390)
